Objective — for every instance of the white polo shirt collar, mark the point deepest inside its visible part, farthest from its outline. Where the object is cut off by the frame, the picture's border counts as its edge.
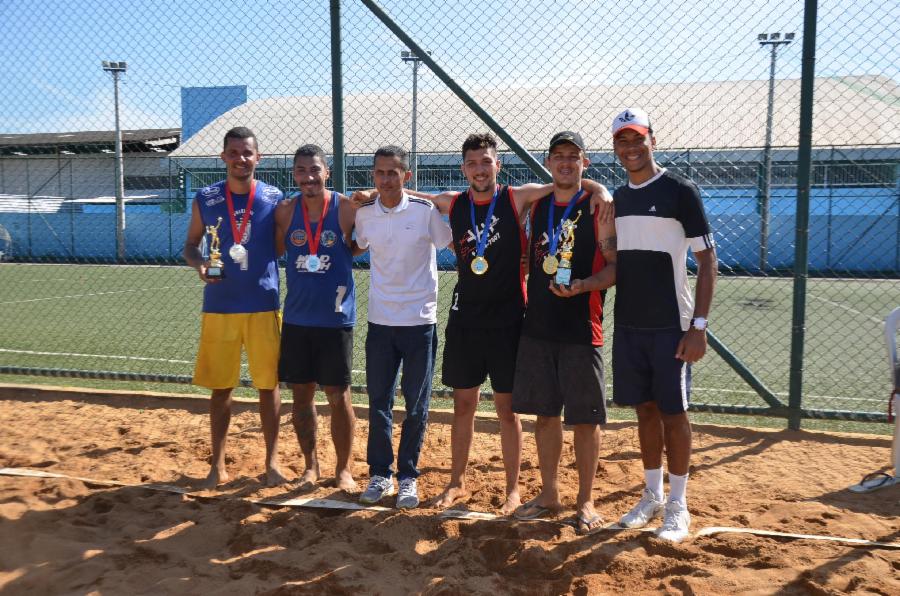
(403, 204)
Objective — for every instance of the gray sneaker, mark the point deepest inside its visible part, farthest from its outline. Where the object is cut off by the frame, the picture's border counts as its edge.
(676, 523)
(379, 488)
(648, 508)
(408, 495)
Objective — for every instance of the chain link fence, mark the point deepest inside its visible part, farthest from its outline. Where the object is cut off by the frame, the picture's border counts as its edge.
(722, 83)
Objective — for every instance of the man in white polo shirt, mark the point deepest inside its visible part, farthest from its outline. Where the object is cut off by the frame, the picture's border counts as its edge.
(401, 233)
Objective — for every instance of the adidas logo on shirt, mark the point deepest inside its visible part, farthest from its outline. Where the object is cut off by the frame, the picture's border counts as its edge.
(653, 209)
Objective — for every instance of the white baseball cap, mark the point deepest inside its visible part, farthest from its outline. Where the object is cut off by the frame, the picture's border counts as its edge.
(633, 118)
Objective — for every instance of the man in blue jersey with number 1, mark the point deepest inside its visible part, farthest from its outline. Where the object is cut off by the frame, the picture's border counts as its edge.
(240, 302)
(313, 230)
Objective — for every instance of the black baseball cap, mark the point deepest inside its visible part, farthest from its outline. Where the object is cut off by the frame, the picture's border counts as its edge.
(567, 136)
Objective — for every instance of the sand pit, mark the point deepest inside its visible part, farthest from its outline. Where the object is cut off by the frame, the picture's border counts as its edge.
(67, 536)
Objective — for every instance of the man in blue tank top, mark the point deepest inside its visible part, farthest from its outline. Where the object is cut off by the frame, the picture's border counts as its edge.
(313, 229)
(240, 302)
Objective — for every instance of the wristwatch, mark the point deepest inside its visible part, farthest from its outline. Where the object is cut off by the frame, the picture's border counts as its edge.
(699, 323)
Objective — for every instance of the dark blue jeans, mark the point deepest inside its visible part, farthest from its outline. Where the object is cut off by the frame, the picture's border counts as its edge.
(386, 347)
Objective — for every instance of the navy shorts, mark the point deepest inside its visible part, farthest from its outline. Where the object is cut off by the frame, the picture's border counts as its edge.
(552, 377)
(320, 355)
(471, 354)
(645, 369)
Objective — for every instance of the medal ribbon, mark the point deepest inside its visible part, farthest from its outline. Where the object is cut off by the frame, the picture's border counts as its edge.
(314, 241)
(482, 237)
(553, 231)
(238, 233)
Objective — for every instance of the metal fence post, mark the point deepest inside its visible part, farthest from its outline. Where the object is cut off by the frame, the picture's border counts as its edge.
(338, 168)
(801, 251)
(467, 99)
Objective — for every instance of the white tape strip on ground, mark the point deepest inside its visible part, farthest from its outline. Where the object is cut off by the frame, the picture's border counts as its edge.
(447, 514)
(855, 541)
(169, 488)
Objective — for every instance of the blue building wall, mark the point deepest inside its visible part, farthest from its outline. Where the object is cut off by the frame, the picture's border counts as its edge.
(202, 105)
(855, 229)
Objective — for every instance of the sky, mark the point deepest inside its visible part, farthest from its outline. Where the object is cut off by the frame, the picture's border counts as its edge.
(52, 80)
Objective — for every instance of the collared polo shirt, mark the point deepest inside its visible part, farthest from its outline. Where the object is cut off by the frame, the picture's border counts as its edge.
(403, 266)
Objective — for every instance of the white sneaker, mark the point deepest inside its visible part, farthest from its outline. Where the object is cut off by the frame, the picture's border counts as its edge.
(379, 487)
(408, 495)
(648, 508)
(676, 523)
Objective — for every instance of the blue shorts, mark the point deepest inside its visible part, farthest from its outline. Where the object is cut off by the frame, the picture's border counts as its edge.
(645, 369)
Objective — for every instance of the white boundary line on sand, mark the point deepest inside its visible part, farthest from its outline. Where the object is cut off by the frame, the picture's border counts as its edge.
(132, 291)
(447, 514)
(179, 490)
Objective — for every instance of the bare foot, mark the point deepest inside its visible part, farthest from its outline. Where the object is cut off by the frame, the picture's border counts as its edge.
(345, 482)
(451, 495)
(274, 477)
(214, 479)
(513, 501)
(307, 482)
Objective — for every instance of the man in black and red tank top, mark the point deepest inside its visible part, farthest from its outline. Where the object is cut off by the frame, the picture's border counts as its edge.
(482, 334)
(559, 366)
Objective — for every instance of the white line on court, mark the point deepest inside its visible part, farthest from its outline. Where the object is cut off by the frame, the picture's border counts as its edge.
(132, 291)
(76, 355)
(847, 308)
(785, 394)
(449, 514)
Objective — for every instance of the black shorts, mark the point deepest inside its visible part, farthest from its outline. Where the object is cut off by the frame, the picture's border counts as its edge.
(471, 354)
(553, 376)
(645, 369)
(322, 355)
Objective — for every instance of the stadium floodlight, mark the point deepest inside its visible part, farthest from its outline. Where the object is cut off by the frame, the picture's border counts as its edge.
(408, 56)
(774, 41)
(115, 69)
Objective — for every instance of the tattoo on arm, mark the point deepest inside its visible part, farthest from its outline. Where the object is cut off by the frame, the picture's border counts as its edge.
(608, 244)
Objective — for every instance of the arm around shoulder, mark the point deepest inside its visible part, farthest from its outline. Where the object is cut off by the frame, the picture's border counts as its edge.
(346, 217)
(442, 201)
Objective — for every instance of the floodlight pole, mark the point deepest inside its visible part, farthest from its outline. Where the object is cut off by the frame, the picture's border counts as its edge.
(773, 40)
(115, 69)
(408, 56)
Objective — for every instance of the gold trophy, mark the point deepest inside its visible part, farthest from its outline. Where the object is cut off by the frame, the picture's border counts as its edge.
(216, 268)
(567, 245)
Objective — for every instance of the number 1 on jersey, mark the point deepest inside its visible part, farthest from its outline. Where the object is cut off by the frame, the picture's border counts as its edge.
(339, 299)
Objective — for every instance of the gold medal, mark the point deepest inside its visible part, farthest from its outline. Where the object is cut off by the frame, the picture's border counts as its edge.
(479, 265)
(551, 264)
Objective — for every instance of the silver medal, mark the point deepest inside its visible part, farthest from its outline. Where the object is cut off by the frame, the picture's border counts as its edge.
(313, 263)
(238, 253)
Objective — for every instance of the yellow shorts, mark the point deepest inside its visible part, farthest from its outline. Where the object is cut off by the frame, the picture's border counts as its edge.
(219, 357)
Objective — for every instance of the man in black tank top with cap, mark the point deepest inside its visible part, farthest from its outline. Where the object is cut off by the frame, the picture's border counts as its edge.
(482, 334)
(559, 368)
